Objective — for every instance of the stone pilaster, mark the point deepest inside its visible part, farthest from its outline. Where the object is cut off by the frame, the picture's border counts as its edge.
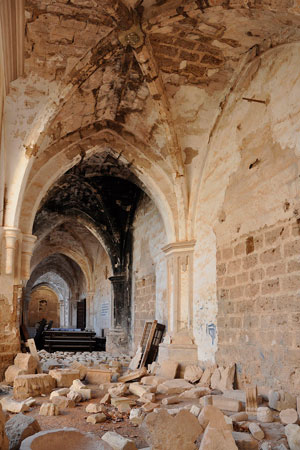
(179, 342)
(28, 242)
(117, 337)
(11, 236)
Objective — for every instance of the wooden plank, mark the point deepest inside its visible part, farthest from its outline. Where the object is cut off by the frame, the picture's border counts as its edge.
(33, 351)
(148, 345)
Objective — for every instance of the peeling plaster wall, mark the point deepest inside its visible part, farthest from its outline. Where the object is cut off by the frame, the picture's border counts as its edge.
(250, 189)
(149, 281)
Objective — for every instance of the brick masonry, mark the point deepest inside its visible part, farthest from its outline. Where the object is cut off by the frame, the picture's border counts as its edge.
(144, 304)
(258, 290)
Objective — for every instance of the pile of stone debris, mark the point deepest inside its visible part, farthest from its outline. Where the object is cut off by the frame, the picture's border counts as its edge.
(201, 410)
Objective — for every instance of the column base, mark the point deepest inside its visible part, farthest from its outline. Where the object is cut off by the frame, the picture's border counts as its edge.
(117, 341)
(180, 348)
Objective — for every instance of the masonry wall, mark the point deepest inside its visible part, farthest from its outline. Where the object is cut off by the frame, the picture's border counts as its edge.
(149, 269)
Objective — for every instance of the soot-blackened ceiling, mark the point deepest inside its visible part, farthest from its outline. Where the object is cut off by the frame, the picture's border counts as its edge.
(104, 192)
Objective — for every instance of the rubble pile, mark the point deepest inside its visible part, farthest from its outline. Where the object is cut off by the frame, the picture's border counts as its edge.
(202, 410)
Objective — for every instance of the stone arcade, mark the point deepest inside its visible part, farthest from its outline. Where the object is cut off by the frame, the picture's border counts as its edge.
(150, 169)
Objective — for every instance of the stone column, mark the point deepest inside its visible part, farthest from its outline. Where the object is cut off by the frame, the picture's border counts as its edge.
(28, 242)
(179, 342)
(11, 235)
(61, 313)
(117, 337)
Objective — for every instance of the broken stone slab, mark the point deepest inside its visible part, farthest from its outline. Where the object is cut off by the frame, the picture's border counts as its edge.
(118, 390)
(213, 416)
(168, 369)
(63, 402)
(196, 392)
(75, 396)
(206, 377)
(256, 431)
(280, 400)
(19, 428)
(288, 416)
(215, 438)
(33, 385)
(147, 397)
(26, 362)
(153, 380)
(235, 394)
(292, 433)
(105, 399)
(116, 401)
(96, 418)
(64, 377)
(192, 374)
(173, 387)
(136, 416)
(163, 431)
(223, 378)
(12, 372)
(245, 441)
(134, 375)
(58, 392)
(98, 376)
(171, 400)
(195, 410)
(66, 438)
(139, 390)
(264, 414)
(118, 442)
(49, 409)
(13, 406)
(149, 407)
(85, 392)
(4, 444)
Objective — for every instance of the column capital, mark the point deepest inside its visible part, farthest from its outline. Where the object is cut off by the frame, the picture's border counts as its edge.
(179, 247)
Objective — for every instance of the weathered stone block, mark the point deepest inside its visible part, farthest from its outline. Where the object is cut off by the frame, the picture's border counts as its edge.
(19, 428)
(97, 376)
(26, 362)
(168, 369)
(4, 444)
(96, 418)
(118, 442)
(64, 377)
(49, 409)
(12, 372)
(33, 385)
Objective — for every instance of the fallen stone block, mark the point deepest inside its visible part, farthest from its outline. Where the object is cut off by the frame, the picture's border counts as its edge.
(134, 375)
(66, 438)
(288, 416)
(58, 392)
(173, 387)
(80, 367)
(215, 438)
(280, 400)
(136, 416)
(192, 374)
(13, 406)
(245, 441)
(292, 433)
(75, 396)
(19, 428)
(239, 417)
(26, 362)
(96, 418)
(226, 404)
(94, 408)
(171, 400)
(147, 397)
(153, 380)
(105, 399)
(168, 369)
(196, 392)
(139, 390)
(264, 414)
(33, 385)
(12, 372)
(63, 402)
(118, 390)
(98, 376)
(4, 444)
(195, 410)
(213, 416)
(49, 409)
(64, 377)
(163, 431)
(118, 442)
(206, 377)
(85, 392)
(235, 394)
(223, 378)
(149, 407)
(256, 431)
